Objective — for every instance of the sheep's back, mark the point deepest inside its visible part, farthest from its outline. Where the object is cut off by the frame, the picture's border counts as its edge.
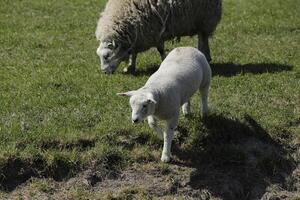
(139, 24)
(190, 17)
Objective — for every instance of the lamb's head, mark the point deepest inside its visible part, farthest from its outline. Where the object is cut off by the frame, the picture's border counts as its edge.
(142, 104)
(111, 55)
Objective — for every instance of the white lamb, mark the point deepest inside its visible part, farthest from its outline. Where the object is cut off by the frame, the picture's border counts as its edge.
(181, 74)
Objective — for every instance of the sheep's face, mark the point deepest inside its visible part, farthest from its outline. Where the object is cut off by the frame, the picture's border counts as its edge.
(111, 54)
(142, 105)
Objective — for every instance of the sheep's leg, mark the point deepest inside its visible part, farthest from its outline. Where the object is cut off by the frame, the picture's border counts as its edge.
(152, 122)
(204, 100)
(186, 108)
(168, 137)
(132, 63)
(203, 46)
(161, 50)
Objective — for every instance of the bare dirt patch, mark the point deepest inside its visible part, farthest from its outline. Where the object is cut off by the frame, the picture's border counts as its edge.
(234, 160)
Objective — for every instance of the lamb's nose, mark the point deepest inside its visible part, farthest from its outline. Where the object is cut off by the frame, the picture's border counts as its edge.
(135, 120)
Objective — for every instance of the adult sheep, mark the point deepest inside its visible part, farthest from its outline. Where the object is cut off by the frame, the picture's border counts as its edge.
(127, 27)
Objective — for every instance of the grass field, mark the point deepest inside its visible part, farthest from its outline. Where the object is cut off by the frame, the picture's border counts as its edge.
(64, 134)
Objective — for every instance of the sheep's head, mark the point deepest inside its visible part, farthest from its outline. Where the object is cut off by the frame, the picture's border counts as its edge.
(111, 55)
(142, 104)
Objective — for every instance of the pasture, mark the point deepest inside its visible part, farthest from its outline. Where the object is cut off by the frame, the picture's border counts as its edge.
(64, 134)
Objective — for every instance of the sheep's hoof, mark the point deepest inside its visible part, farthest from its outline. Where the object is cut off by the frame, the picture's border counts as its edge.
(208, 58)
(129, 70)
(165, 158)
(205, 115)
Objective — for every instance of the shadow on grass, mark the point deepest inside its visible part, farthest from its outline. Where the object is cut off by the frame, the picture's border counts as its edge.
(234, 159)
(230, 69)
(17, 171)
(147, 71)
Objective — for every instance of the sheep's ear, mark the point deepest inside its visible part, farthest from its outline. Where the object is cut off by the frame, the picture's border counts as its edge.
(126, 94)
(150, 98)
(116, 46)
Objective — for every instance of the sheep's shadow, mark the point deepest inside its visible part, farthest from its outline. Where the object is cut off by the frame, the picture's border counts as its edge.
(229, 69)
(234, 159)
(146, 71)
(232, 69)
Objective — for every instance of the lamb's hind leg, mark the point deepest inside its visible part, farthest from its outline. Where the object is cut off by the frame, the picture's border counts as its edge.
(186, 108)
(203, 46)
(204, 100)
(132, 63)
(161, 50)
(152, 122)
(168, 137)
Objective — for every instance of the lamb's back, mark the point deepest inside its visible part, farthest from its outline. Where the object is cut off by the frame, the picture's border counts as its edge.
(183, 66)
(180, 75)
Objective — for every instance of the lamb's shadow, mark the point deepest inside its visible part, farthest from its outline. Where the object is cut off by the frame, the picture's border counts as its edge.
(229, 69)
(234, 159)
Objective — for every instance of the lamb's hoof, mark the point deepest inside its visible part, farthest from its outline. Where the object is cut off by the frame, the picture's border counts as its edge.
(128, 70)
(165, 158)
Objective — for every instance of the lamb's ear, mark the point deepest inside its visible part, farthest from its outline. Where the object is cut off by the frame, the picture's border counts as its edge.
(126, 94)
(150, 98)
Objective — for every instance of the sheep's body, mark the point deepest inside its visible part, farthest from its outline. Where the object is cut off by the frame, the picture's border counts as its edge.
(137, 25)
(184, 71)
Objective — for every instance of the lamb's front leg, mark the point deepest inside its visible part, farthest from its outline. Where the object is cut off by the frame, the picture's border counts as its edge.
(152, 122)
(168, 137)
(132, 64)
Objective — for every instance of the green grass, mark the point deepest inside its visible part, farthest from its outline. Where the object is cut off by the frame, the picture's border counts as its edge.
(59, 114)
